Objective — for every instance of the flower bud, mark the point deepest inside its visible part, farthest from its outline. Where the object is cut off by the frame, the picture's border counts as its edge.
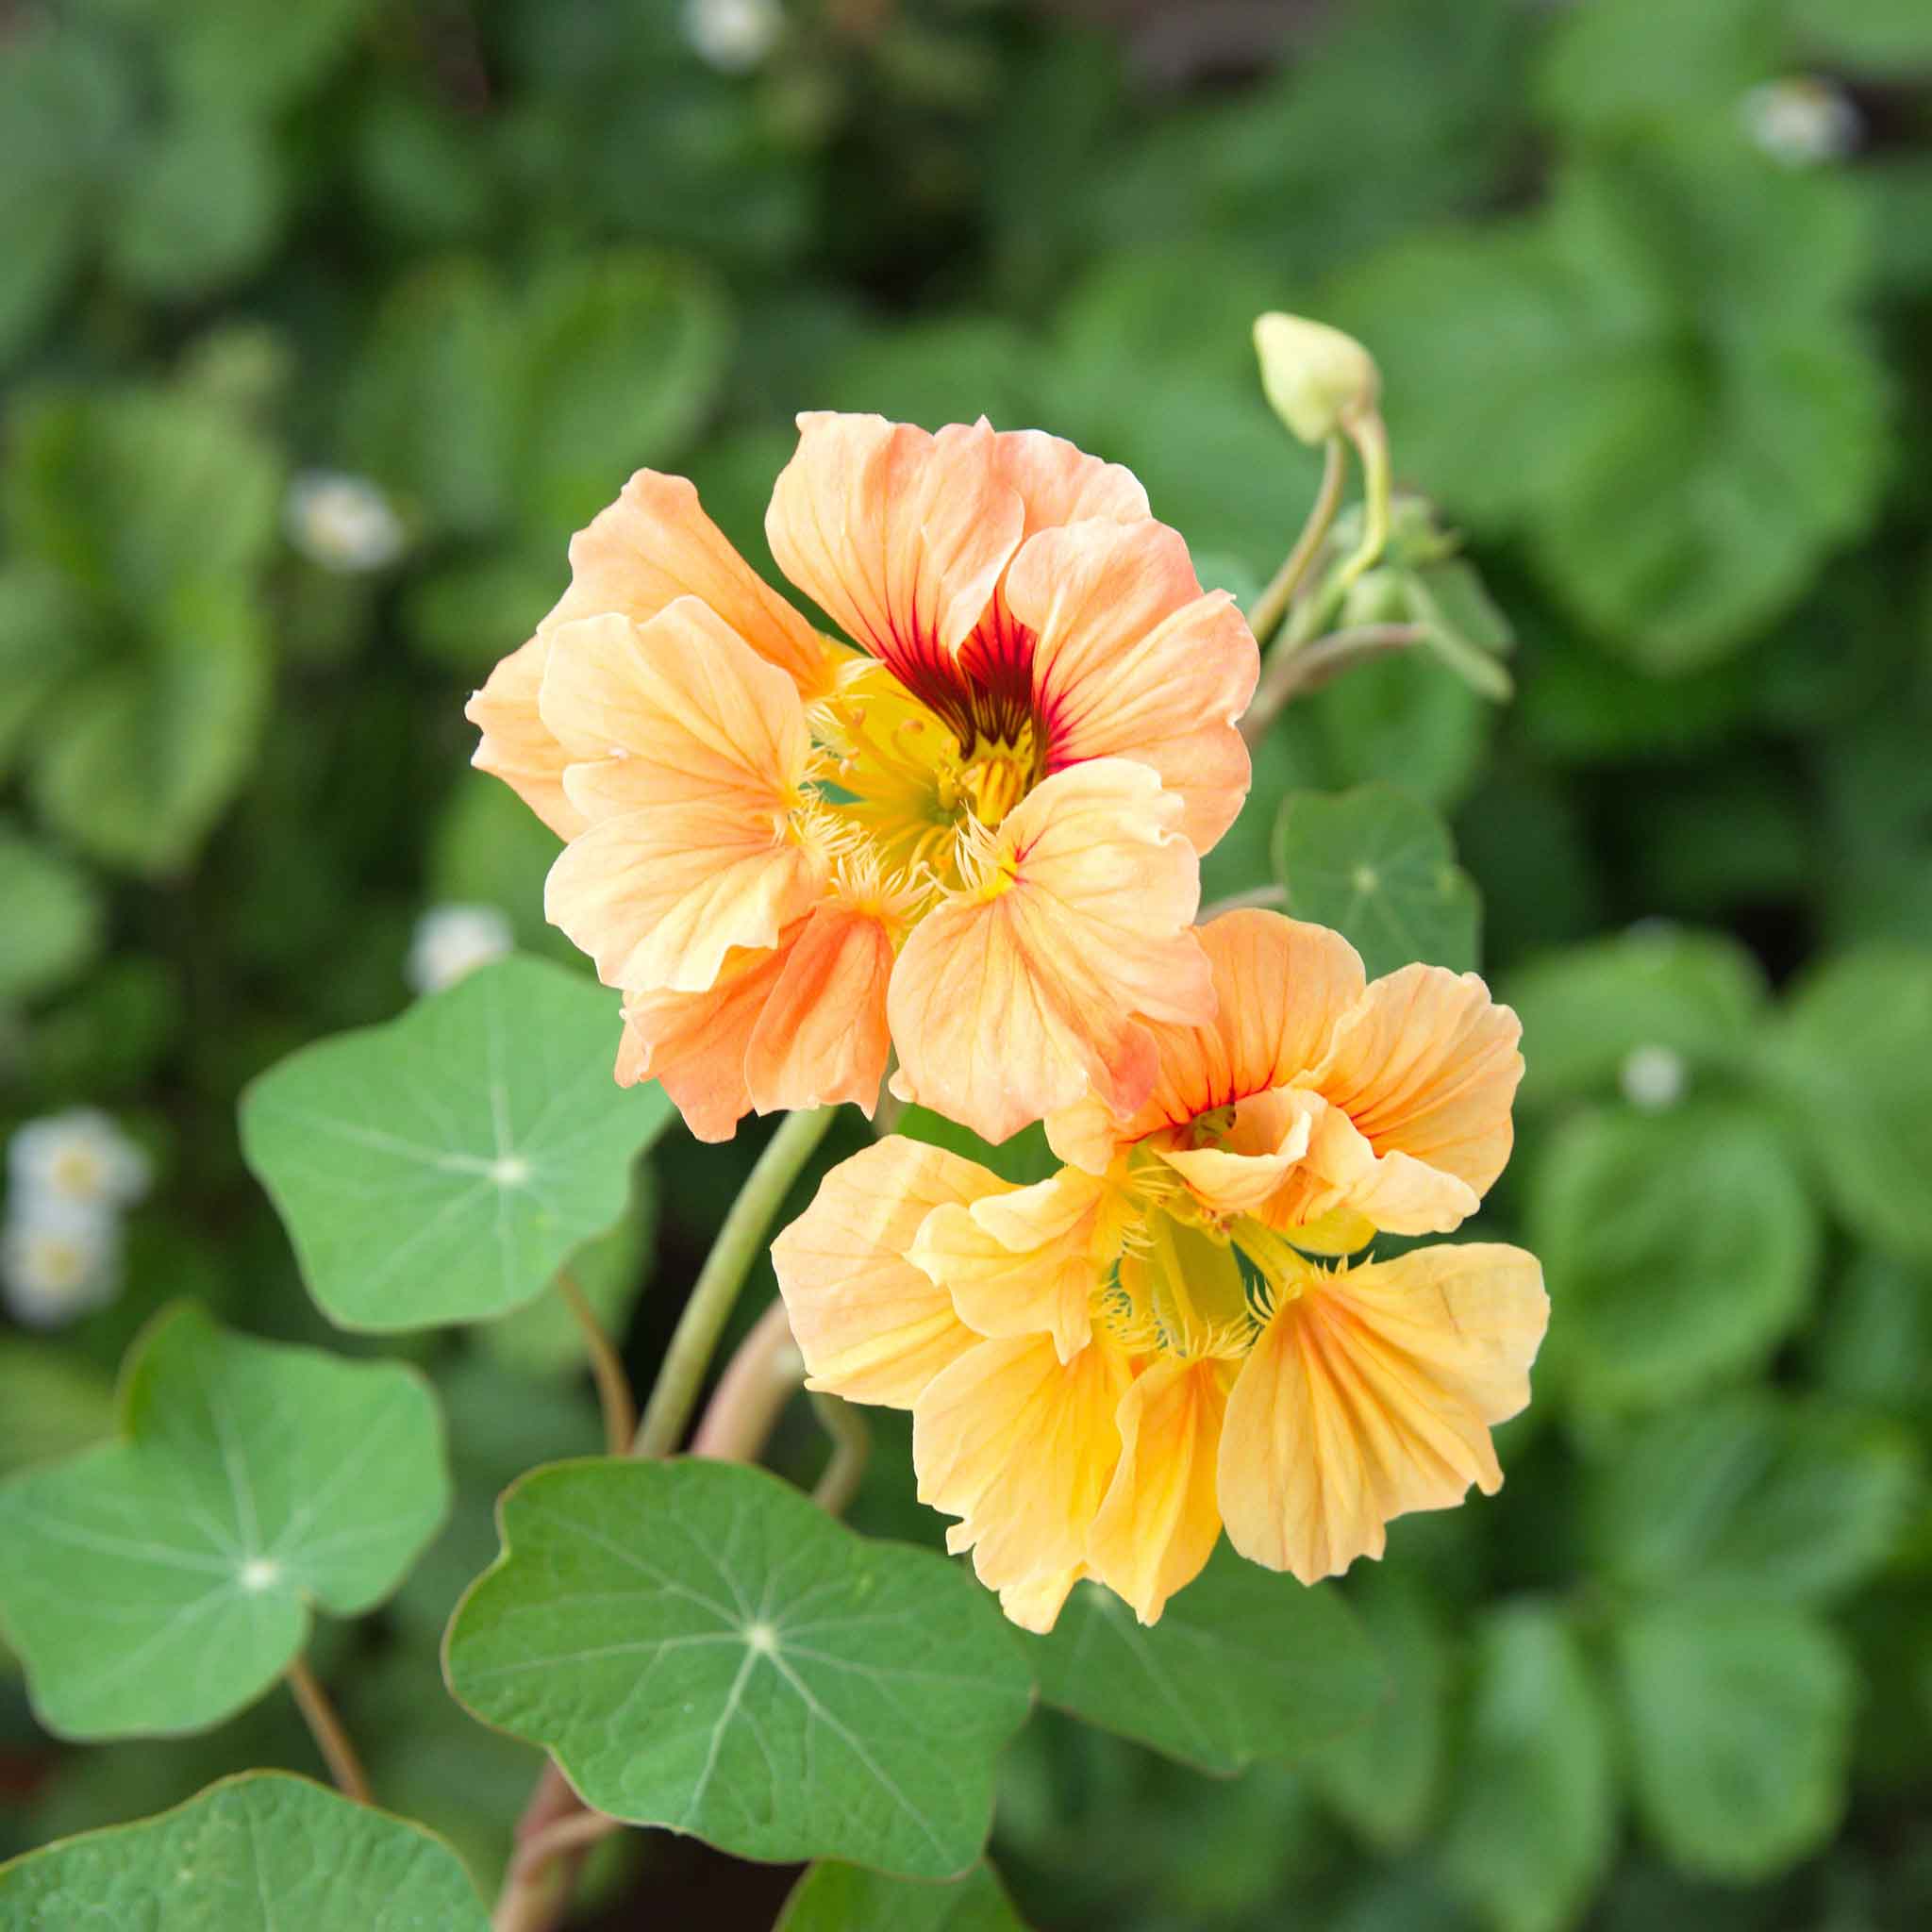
(1316, 378)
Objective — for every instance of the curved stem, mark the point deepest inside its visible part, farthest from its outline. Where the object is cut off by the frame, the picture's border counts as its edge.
(752, 1393)
(534, 1890)
(851, 1450)
(325, 1727)
(1272, 604)
(1370, 436)
(738, 1244)
(1273, 896)
(613, 1386)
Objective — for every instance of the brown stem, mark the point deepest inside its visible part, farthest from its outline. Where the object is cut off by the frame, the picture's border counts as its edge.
(613, 1386)
(851, 1450)
(752, 1393)
(543, 1868)
(325, 1727)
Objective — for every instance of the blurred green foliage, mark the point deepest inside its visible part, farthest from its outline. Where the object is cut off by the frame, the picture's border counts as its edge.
(491, 255)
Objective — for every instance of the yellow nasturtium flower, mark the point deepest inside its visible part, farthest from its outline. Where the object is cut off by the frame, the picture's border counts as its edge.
(1108, 1367)
(972, 834)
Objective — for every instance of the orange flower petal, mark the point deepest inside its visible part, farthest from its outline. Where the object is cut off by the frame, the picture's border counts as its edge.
(1036, 1603)
(1268, 1141)
(1132, 660)
(1160, 1520)
(1280, 987)
(1393, 1192)
(870, 1326)
(1020, 1446)
(1372, 1394)
(677, 711)
(655, 545)
(821, 1038)
(1008, 1007)
(1425, 1065)
(694, 1043)
(1058, 483)
(900, 538)
(517, 746)
(658, 898)
(1023, 1262)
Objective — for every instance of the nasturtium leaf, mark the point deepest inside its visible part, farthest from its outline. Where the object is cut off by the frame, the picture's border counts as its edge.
(48, 631)
(441, 1167)
(1022, 1157)
(256, 1853)
(54, 918)
(1536, 1813)
(1678, 1247)
(1698, 996)
(160, 1582)
(1739, 1718)
(1378, 866)
(1383, 1776)
(202, 208)
(1875, 37)
(56, 1402)
(1874, 1347)
(1850, 1054)
(1243, 1664)
(847, 1898)
(700, 1647)
(1753, 1497)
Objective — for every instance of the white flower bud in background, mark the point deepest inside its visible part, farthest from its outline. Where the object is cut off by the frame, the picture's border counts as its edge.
(733, 35)
(79, 1159)
(342, 523)
(1802, 122)
(453, 941)
(58, 1261)
(1653, 1077)
(1316, 378)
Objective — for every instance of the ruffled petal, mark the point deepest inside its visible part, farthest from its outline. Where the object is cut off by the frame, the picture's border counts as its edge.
(658, 898)
(1426, 1065)
(870, 1326)
(1280, 988)
(823, 1036)
(1015, 1000)
(1058, 483)
(900, 538)
(1024, 1262)
(1344, 1174)
(517, 746)
(1020, 1446)
(1131, 659)
(675, 711)
(1251, 1166)
(694, 1043)
(1035, 1604)
(655, 545)
(1371, 1394)
(1160, 1520)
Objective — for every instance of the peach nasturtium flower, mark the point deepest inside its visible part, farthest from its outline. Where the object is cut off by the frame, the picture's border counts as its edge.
(972, 833)
(1108, 1367)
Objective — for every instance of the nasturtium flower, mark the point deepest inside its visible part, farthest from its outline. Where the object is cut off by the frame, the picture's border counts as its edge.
(971, 833)
(1164, 1339)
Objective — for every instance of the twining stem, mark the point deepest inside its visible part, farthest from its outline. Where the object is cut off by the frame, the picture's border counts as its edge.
(613, 1386)
(738, 1244)
(1370, 436)
(538, 1884)
(851, 1450)
(325, 1727)
(760, 1379)
(1264, 620)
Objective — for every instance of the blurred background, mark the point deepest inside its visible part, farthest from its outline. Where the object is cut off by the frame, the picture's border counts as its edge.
(322, 326)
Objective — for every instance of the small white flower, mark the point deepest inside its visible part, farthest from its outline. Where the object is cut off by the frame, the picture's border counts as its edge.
(453, 941)
(1802, 122)
(58, 1262)
(80, 1159)
(343, 523)
(1653, 1077)
(733, 35)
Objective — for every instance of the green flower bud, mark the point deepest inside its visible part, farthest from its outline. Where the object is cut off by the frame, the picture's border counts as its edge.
(1317, 379)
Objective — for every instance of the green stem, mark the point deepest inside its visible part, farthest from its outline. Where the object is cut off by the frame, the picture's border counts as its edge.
(851, 1450)
(607, 1366)
(1271, 606)
(1371, 438)
(739, 1245)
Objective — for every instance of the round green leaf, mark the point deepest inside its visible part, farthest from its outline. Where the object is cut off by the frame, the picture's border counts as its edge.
(847, 1898)
(1700, 996)
(1532, 1831)
(162, 1581)
(256, 1853)
(1755, 1497)
(1850, 1054)
(1378, 866)
(201, 208)
(1243, 1664)
(54, 918)
(1679, 1248)
(700, 1647)
(56, 1402)
(441, 1168)
(1739, 1727)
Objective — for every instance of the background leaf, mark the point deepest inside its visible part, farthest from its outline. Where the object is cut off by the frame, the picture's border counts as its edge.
(844, 1898)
